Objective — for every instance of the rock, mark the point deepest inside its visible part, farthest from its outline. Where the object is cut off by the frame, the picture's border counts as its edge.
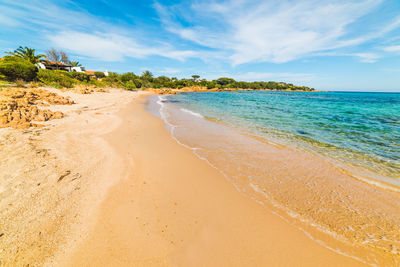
(3, 119)
(57, 115)
(18, 107)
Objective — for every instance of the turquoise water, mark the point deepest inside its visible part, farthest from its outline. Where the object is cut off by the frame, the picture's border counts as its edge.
(355, 128)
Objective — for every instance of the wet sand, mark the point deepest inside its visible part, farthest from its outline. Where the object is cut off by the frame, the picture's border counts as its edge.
(312, 192)
(173, 209)
(109, 186)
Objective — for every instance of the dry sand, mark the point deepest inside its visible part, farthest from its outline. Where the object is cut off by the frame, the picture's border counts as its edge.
(109, 186)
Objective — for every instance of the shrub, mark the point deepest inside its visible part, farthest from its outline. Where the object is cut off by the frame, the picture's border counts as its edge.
(129, 76)
(56, 78)
(80, 76)
(99, 74)
(138, 83)
(130, 85)
(20, 82)
(17, 69)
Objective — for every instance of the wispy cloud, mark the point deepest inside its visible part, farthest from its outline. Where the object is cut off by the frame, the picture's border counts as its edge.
(393, 48)
(267, 76)
(169, 71)
(7, 21)
(82, 33)
(367, 57)
(263, 76)
(273, 31)
(112, 47)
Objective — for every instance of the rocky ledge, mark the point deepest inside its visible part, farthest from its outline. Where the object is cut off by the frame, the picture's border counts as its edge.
(21, 107)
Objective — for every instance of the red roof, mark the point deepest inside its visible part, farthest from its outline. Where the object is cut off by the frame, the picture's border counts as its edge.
(48, 62)
(89, 72)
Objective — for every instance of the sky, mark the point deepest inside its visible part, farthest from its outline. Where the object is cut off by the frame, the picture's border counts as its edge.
(351, 45)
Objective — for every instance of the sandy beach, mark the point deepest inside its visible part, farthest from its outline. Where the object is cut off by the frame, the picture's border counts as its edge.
(108, 186)
(113, 187)
(200, 133)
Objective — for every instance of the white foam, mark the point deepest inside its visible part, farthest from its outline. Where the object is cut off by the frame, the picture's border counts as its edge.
(255, 188)
(192, 113)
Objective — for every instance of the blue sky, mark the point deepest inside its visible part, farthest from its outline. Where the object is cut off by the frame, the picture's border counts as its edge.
(329, 45)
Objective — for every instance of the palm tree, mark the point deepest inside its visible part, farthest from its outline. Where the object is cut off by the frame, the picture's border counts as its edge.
(27, 54)
(75, 64)
(147, 74)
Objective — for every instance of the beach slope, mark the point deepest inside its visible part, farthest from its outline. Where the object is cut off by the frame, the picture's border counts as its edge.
(170, 208)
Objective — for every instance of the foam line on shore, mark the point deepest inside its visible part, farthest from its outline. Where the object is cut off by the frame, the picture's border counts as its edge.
(192, 112)
(290, 213)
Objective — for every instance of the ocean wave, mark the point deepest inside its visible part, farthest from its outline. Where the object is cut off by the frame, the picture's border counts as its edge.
(192, 113)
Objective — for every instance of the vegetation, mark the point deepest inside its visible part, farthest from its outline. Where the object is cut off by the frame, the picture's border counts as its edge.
(27, 54)
(57, 55)
(75, 64)
(99, 74)
(19, 65)
(14, 68)
(56, 78)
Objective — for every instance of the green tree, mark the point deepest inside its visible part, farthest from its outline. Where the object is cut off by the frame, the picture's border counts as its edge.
(130, 85)
(129, 76)
(75, 64)
(99, 74)
(147, 75)
(28, 54)
(225, 81)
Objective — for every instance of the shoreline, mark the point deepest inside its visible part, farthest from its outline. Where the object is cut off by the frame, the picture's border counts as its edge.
(137, 197)
(360, 171)
(175, 209)
(317, 227)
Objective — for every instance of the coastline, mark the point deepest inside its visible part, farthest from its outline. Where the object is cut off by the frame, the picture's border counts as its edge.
(174, 209)
(137, 197)
(320, 197)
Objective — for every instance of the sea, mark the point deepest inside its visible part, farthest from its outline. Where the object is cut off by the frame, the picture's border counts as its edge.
(356, 128)
(328, 162)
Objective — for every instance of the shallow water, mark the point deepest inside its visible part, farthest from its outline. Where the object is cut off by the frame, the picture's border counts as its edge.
(361, 129)
(317, 196)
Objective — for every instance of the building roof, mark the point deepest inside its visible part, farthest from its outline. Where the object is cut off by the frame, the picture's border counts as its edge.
(55, 63)
(89, 72)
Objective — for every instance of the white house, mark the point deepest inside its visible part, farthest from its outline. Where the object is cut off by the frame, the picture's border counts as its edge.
(53, 65)
(77, 69)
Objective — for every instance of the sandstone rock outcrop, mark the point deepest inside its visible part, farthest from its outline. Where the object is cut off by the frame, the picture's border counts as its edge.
(79, 89)
(21, 107)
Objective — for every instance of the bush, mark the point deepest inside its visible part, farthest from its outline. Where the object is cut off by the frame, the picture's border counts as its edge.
(129, 76)
(80, 76)
(17, 69)
(56, 78)
(138, 83)
(130, 85)
(99, 74)
(20, 82)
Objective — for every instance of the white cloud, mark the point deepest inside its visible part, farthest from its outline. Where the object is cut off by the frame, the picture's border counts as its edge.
(7, 21)
(394, 48)
(111, 47)
(274, 31)
(169, 71)
(367, 57)
(82, 33)
(237, 31)
(262, 76)
(267, 76)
